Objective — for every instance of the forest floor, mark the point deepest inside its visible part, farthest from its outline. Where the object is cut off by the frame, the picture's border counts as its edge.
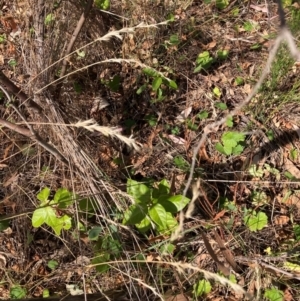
(97, 145)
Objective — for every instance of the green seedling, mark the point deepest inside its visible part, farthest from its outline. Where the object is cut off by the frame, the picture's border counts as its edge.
(17, 292)
(222, 54)
(49, 19)
(181, 163)
(221, 105)
(2, 38)
(232, 143)
(255, 220)
(217, 92)
(52, 264)
(203, 61)
(203, 115)
(154, 207)
(202, 287)
(274, 294)
(239, 81)
(102, 4)
(50, 211)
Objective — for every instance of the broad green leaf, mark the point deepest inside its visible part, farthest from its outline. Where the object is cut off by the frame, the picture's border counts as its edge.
(156, 83)
(203, 287)
(172, 84)
(239, 81)
(144, 225)
(203, 115)
(220, 148)
(171, 224)
(63, 197)
(237, 150)
(64, 222)
(17, 292)
(164, 187)
(256, 221)
(41, 215)
(135, 214)
(274, 294)
(174, 203)
(158, 215)
(140, 192)
(94, 233)
(99, 262)
(43, 195)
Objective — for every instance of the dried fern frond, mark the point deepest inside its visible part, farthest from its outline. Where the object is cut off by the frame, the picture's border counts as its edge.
(114, 132)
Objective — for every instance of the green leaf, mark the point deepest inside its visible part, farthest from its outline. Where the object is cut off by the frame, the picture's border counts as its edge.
(87, 205)
(171, 224)
(222, 54)
(151, 72)
(114, 84)
(274, 294)
(63, 197)
(140, 192)
(220, 148)
(174, 39)
(17, 292)
(102, 4)
(221, 4)
(141, 89)
(256, 172)
(172, 84)
(64, 222)
(256, 221)
(203, 287)
(46, 293)
(181, 163)
(144, 225)
(52, 264)
(4, 225)
(49, 19)
(164, 187)
(239, 81)
(40, 216)
(203, 115)
(152, 120)
(156, 83)
(229, 122)
(43, 195)
(221, 105)
(135, 214)
(296, 229)
(178, 202)
(99, 262)
(237, 150)
(203, 61)
(94, 233)
(158, 215)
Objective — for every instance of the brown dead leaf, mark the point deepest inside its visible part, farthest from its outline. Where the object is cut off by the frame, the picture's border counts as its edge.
(211, 45)
(291, 167)
(281, 220)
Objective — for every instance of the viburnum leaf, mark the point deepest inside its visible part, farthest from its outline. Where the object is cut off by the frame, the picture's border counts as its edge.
(158, 215)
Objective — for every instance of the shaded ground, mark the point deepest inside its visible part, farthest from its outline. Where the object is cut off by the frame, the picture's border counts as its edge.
(109, 82)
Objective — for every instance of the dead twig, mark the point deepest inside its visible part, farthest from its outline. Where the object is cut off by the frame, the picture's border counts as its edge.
(80, 23)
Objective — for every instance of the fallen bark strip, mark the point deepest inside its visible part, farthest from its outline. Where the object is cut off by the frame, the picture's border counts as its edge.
(17, 92)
